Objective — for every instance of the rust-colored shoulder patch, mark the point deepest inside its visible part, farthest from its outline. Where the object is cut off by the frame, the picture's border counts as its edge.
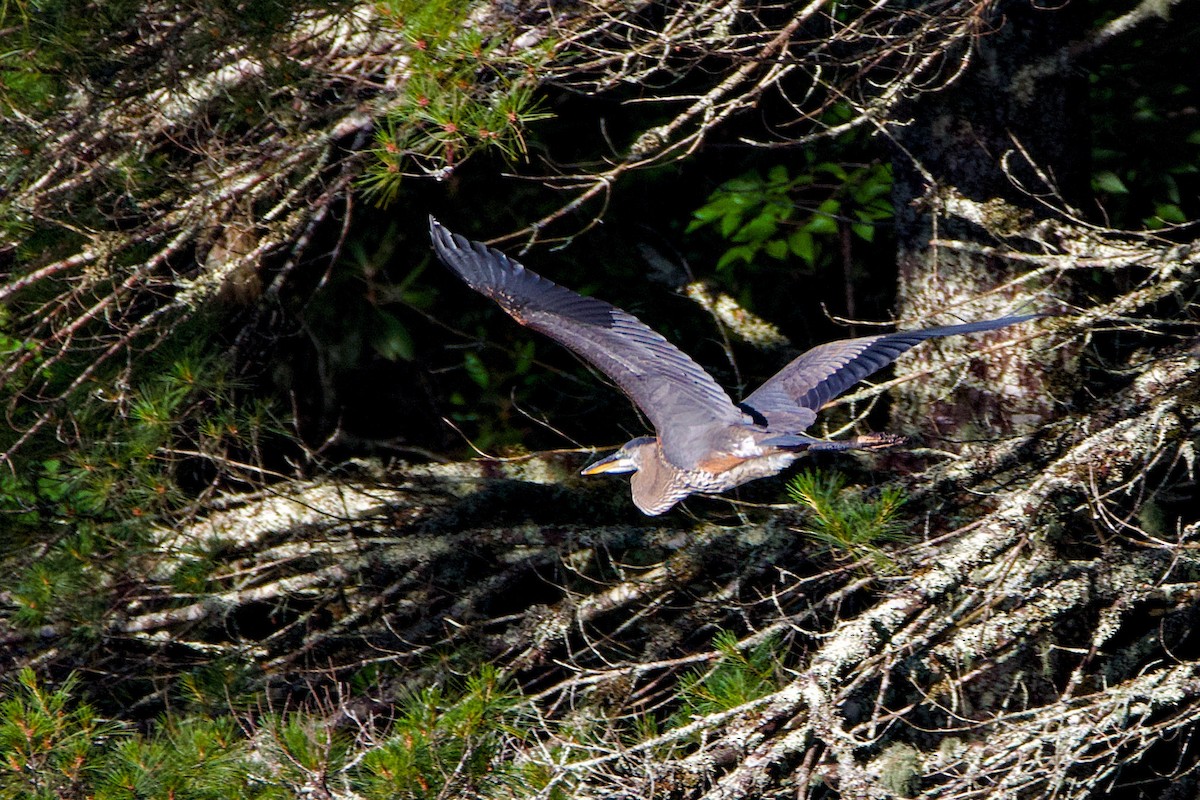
(719, 462)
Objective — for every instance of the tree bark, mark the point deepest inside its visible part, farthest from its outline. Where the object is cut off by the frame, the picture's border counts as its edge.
(1010, 126)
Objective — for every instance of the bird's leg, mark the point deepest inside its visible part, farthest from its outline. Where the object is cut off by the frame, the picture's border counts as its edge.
(869, 441)
(879, 441)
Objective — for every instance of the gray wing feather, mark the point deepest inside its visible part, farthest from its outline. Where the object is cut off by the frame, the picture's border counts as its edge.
(795, 393)
(672, 390)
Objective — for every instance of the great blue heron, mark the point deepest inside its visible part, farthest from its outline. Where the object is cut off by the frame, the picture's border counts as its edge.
(703, 442)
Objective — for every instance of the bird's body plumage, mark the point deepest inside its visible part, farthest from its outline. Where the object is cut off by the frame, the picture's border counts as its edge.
(703, 442)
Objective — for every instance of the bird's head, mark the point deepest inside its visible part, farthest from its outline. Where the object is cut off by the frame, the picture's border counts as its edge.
(629, 457)
(656, 485)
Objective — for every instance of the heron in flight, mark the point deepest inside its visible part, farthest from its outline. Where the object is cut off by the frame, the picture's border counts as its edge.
(703, 441)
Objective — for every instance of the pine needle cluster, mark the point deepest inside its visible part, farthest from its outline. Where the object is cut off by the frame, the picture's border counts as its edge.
(848, 521)
(441, 742)
(465, 93)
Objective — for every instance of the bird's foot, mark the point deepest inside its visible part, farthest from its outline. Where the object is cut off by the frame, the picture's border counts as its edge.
(879, 441)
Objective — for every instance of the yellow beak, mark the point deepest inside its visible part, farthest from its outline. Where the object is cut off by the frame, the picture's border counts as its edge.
(616, 463)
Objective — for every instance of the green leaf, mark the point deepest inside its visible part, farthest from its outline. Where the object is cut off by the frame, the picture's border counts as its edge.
(390, 338)
(710, 211)
(802, 245)
(846, 520)
(875, 183)
(476, 371)
(864, 231)
(759, 229)
(1107, 181)
(780, 211)
(1169, 212)
(821, 224)
(743, 184)
(777, 249)
(743, 252)
(524, 358)
(824, 219)
(836, 170)
(831, 207)
(880, 208)
(729, 224)
(778, 174)
(1172, 188)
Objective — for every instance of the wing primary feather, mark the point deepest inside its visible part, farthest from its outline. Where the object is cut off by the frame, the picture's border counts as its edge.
(672, 390)
(826, 371)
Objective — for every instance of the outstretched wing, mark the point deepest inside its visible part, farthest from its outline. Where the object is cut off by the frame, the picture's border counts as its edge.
(793, 395)
(673, 391)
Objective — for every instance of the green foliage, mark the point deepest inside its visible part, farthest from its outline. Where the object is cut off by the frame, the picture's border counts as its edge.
(388, 335)
(60, 589)
(52, 746)
(759, 214)
(56, 504)
(444, 746)
(533, 781)
(488, 410)
(46, 743)
(91, 504)
(125, 446)
(1145, 148)
(739, 677)
(390, 338)
(194, 759)
(349, 316)
(9, 345)
(217, 687)
(45, 45)
(847, 521)
(467, 92)
(303, 749)
(440, 744)
(49, 46)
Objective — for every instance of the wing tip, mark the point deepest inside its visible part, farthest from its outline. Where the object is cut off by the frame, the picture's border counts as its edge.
(466, 256)
(463, 256)
(444, 239)
(979, 326)
(442, 235)
(1014, 319)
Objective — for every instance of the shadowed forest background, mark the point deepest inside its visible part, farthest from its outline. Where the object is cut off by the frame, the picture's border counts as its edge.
(288, 511)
